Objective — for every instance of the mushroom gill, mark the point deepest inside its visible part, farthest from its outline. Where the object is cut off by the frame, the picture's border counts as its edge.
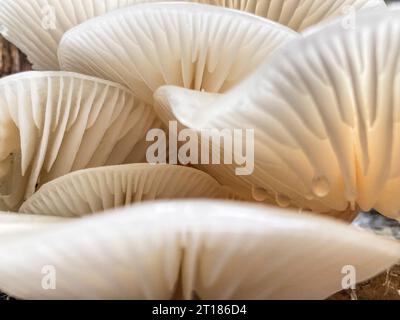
(37, 26)
(53, 123)
(200, 249)
(325, 110)
(99, 189)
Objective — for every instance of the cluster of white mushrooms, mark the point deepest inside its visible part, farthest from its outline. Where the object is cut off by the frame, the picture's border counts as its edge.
(319, 93)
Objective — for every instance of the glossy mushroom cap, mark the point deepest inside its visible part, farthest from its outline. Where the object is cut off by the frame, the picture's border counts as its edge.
(195, 46)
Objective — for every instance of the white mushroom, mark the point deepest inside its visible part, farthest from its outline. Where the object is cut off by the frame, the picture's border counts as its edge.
(326, 116)
(94, 190)
(299, 14)
(195, 46)
(36, 26)
(12, 224)
(193, 249)
(52, 123)
(325, 110)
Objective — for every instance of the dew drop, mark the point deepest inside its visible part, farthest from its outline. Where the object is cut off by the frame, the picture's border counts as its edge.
(259, 194)
(321, 187)
(282, 200)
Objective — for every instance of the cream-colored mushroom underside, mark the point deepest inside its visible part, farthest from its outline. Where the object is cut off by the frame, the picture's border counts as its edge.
(55, 123)
(325, 111)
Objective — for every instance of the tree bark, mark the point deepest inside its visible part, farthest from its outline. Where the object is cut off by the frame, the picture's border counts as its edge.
(11, 59)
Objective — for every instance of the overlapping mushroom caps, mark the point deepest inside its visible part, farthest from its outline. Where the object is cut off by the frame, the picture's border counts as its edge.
(320, 110)
(52, 123)
(36, 26)
(200, 47)
(325, 110)
(213, 60)
(205, 48)
(192, 249)
(99, 189)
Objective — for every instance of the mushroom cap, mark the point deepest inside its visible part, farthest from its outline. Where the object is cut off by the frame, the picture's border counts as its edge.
(36, 26)
(98, 189)
(192, 109)
(52, 123)
(299, 14)
(325, 111)
(191, 45)
(12, 224)
(202, 249)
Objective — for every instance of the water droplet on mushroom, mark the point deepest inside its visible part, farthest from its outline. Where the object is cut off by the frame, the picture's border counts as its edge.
(282, 200)
(259, 194)
(321, 187)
